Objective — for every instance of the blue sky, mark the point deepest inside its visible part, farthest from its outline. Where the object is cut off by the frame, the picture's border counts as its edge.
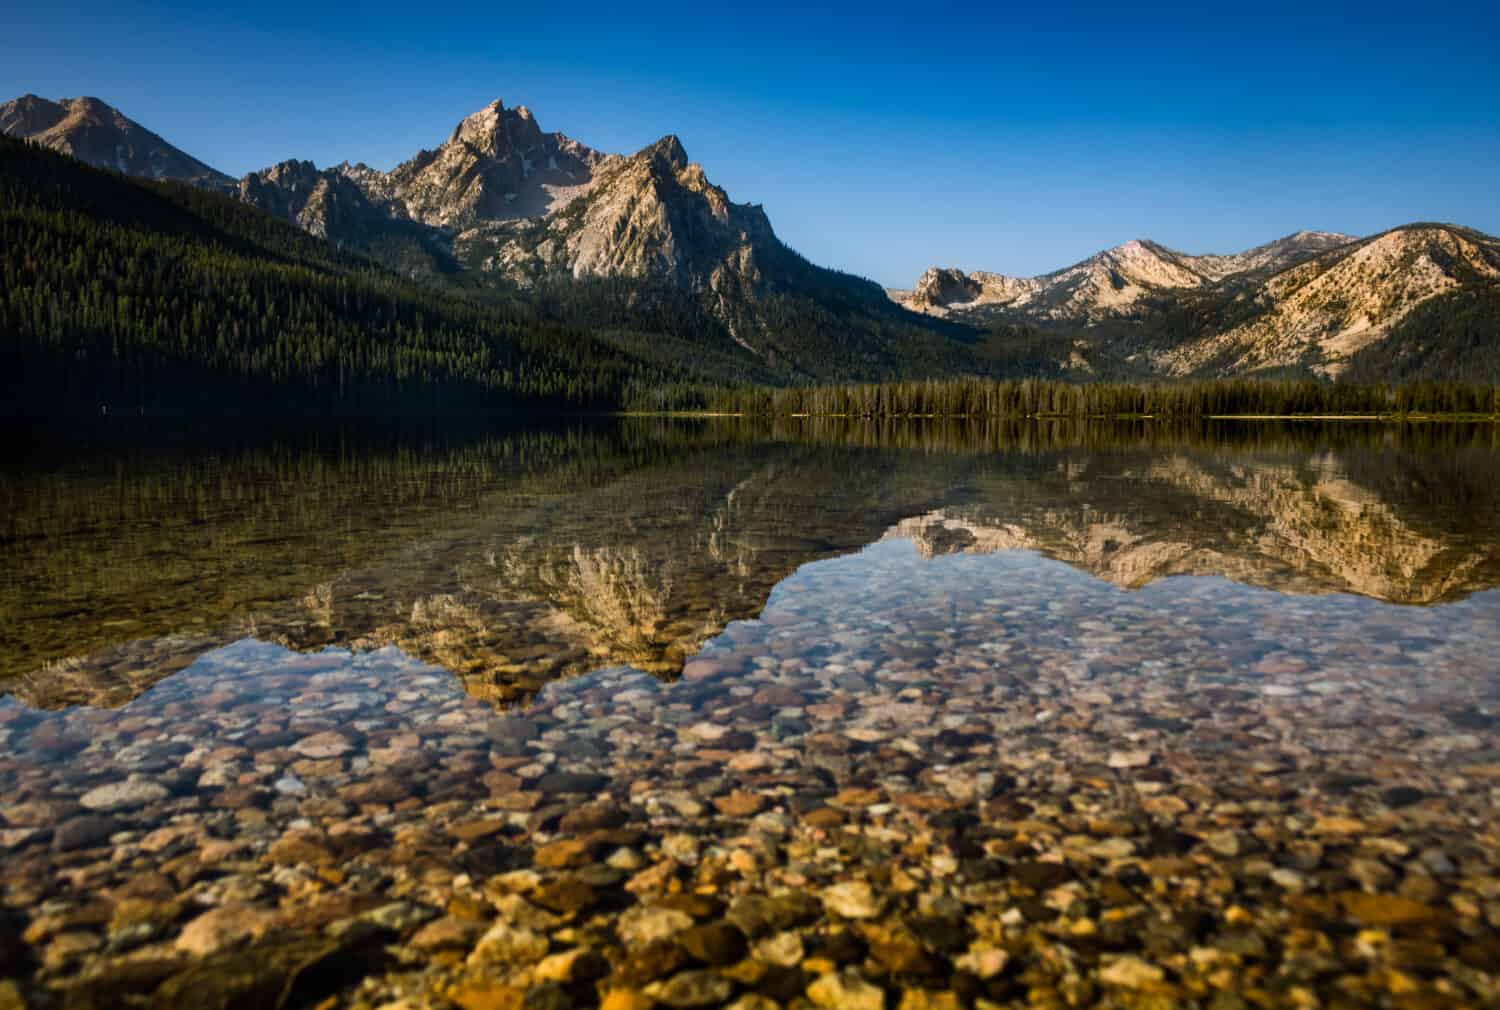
(881, 139)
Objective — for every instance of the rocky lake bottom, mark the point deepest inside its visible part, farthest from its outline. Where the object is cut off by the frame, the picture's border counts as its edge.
(680, 719)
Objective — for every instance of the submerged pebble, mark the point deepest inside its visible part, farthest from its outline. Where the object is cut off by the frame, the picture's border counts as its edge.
(938, 773)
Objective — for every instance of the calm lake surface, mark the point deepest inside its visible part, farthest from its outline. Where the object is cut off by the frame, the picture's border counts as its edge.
(647, 712)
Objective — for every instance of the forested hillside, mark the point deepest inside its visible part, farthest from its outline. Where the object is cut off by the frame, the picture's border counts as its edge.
(125, 295)
(120, 295)
(1452, 338)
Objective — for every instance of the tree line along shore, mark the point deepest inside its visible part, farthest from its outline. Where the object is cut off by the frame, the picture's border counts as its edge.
(1218, 398)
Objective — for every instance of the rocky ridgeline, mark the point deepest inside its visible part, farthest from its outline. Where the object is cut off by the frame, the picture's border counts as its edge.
(504, 197)
(1331, 307)
(1109, 283)
(1312, 299)
(528, 207)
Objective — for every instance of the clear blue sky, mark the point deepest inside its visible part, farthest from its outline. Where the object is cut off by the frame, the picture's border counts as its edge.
(881, 139)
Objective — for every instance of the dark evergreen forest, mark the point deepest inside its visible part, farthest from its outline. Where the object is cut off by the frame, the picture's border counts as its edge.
(122, 295)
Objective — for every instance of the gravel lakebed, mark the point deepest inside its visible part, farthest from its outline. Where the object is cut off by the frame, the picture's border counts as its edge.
(964, 781)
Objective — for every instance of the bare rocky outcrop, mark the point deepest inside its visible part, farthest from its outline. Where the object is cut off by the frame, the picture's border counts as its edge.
(1308, 302)
(323, 203)
(529, 205)
(943, 287)
(1329, 308)
(497, 165)
(654, 214)
(506, 196)
(1109, 283)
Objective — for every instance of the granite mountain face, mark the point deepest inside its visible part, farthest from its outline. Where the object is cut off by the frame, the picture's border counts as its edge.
(1106, 284)
(528, 210)
(1324, 313)
(647, 241)
(497, 165)
(1313, 302)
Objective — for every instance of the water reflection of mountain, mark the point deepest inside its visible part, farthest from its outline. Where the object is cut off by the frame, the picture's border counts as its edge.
(1397, 528)
(598, 553)
(542, 580)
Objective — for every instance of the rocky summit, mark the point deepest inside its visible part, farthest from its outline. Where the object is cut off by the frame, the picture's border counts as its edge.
(651, 214)
(528, 208)
(323, 203)
(497, 165)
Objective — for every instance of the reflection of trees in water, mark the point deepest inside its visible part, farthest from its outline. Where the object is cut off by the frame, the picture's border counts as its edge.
(1287, 521)
(599, 551)
(1021, 437)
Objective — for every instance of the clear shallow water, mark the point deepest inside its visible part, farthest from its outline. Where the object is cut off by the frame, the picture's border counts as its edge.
(1018, 719)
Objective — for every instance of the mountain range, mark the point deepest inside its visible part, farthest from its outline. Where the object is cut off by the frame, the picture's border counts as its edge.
(1310, 301)
(1107, 283)
(647, 242)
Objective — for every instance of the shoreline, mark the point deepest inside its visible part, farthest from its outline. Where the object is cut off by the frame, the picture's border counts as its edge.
(1381, 418)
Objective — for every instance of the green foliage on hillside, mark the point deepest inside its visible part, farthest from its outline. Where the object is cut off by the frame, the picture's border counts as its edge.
(141, 295)
(809, 324)
(1017, 350)
(834, 326)
(1451, 338)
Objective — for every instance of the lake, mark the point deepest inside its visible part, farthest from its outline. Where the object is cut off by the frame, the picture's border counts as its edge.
(635, 712)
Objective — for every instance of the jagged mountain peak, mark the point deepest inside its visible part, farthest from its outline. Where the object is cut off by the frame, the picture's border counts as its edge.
(29, 115)
(498, 132)
(668, 149)
(654, 214)
(496, 165)
(1105, 283)
(1135, 249)
(45, 113)
(1272, 257)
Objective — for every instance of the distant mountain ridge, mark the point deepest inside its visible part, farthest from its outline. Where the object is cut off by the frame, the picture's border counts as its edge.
(646, 242)
(1315, 303)
(1325, 311)
(599, 240)
(1107, 283)
(102, 136)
